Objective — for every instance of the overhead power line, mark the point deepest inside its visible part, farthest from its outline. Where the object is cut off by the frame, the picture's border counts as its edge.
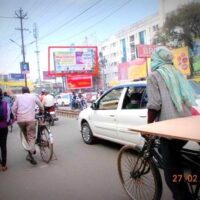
(98, 22)
(7, 17)
(70, 20)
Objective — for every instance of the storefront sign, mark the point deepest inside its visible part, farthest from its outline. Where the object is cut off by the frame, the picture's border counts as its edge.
(145, 51)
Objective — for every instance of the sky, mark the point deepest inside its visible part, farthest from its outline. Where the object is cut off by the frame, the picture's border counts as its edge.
(63, 23)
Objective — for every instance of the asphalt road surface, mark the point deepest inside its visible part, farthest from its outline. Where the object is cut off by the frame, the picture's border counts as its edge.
(78, 171)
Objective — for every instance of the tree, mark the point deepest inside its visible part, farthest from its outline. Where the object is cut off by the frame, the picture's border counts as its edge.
(181, 26)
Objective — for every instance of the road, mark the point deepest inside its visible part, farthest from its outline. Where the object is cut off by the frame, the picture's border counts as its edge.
(78, 171)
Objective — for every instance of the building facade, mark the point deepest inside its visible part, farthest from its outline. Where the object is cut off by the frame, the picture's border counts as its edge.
(121, 47)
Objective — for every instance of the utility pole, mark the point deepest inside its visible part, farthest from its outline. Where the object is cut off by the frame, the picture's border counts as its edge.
(20, 15)
(35, 35)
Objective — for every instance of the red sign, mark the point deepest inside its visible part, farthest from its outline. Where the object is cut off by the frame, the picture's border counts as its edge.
(145, 51)
(79, 82)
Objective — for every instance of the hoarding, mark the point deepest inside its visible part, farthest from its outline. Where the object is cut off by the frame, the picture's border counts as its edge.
(72, 60)
(181, 60)
(135, 69)
(79, 82)
(46, 76)
(24, 66)
(145, 51)
(15, 76)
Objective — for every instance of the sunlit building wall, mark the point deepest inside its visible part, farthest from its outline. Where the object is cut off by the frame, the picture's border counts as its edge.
(121, 47)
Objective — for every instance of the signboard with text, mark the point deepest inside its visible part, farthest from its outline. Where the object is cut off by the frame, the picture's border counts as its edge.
(15, 76)
(47, 77)
(72, 60)
(79, 82)
(24, 66)
(145, 51)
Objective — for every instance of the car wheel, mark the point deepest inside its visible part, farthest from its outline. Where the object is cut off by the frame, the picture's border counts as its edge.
(87, 135)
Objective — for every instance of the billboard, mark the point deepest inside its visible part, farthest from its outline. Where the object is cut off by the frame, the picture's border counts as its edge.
(15, 76)
(196, 57)
(24, 66)
(72, 60)
(181, 60)
(79, 82)
(145, 51)
(46, 76)
(135, 69)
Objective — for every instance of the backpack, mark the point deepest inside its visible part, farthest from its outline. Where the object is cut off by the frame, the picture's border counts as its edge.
(2, 111)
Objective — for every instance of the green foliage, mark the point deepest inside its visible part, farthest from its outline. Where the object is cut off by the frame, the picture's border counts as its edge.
(181, 26)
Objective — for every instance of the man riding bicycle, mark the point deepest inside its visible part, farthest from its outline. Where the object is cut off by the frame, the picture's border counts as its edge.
(24, 113)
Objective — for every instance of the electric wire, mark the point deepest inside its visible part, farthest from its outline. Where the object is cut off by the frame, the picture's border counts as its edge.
(70, 20)
(98, 22)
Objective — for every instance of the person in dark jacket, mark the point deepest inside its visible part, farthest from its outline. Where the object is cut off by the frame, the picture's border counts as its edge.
(4, 120)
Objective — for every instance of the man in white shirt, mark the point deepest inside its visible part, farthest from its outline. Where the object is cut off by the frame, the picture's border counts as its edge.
(48, 101)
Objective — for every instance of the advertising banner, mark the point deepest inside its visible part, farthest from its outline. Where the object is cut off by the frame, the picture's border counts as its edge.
(15, 76)
(132, 70)
(181, 60)
(62, 61)
(196, 58)
(145, 51)
(79, 82)
(24, 66)
(46, 76)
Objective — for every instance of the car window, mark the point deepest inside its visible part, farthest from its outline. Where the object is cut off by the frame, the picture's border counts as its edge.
(135, 98)
(110, 101)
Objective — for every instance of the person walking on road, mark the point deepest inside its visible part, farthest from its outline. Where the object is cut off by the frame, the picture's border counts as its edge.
(24, 112)
(4, 121)
(169, 96)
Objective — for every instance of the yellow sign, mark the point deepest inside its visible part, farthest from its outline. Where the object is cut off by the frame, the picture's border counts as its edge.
(181, 60)
(137, 69)
(16, 84)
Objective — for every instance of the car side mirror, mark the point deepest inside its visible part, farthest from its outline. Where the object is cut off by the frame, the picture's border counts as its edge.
(94, 105)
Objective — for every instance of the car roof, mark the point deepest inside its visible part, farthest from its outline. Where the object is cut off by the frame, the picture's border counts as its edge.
(133, 83)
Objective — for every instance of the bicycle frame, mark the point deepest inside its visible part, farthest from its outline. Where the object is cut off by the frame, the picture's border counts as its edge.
(190, 161)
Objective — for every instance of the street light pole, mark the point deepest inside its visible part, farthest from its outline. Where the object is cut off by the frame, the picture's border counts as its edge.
(22, 16)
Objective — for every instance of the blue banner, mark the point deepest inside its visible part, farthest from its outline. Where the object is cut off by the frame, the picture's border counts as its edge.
(14, 76)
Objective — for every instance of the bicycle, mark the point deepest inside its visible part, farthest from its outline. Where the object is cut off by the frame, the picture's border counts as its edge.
(44, 139)
(139, 174)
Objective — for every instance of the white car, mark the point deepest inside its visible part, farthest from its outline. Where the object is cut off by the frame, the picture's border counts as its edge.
(111, 115)
(63, 99)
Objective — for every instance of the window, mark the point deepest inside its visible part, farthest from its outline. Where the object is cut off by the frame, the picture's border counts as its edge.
(135, 98)
(132, 38)
(155, 27)
(142, 37)
(110, 101)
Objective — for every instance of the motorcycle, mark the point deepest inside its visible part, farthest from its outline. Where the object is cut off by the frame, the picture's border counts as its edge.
(79, 103)
(50, 115)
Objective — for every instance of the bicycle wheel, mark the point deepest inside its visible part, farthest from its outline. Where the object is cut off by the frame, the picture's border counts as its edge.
(45, 144)
(140, 178)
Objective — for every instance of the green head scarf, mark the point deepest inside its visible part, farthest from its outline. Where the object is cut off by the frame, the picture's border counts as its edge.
(178, 86)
